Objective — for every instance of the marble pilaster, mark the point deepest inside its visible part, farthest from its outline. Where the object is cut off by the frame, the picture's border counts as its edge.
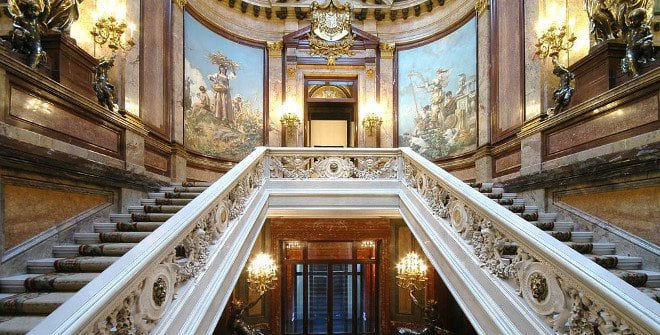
(275, 75)
(531, 151)
(386, 79)
(177, 73)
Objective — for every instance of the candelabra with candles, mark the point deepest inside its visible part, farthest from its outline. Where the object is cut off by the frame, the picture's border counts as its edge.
(110, 30)
(262, 274)
(411, 274)
(555, 39)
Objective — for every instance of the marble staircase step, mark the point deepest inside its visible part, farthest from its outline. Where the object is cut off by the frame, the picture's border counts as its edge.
(33, 303)
(18, 325)
(617, 261)
(108, 227)
(110, 237)
(104, 249)
(653, 293)
(50, 282)
(193, 183)
(163, 201)
(146, 217)
(639, 278)
(154, 209)
(599, 248)
(77, 264)
(172, 195)
(184, 189)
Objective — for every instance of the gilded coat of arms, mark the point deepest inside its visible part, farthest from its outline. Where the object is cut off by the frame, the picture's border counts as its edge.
(330, 36)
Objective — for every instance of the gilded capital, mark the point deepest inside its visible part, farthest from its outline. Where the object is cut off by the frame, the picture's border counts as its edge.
(386, 50)
(274, 48)
(180, 3)
(481, 6)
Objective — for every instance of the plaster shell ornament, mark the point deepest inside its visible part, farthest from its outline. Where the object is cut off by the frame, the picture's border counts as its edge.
(541, 290)
(330, 33)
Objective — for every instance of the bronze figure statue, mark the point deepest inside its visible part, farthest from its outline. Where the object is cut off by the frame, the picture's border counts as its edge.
(62, 14)
(105, 92)
(28, 16)
(236, 324)
(430, 320)
(604, 25)
(562, 95)
(639, 42)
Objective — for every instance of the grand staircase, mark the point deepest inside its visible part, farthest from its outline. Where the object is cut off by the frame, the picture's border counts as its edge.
(26, 299)
(628, 268)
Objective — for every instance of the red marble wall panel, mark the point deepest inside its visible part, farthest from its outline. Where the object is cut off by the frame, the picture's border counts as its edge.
(155, 161)
(51, 119)
(507, 163)
(153, 107)
(466, 174)
(509, 74)
(603, 128)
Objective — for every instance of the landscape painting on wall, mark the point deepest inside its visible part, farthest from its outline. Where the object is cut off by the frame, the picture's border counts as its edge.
(223, 94)
(437, 91)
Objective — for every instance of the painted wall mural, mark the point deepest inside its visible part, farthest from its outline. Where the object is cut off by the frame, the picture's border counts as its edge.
(437, 91)
(223, 94)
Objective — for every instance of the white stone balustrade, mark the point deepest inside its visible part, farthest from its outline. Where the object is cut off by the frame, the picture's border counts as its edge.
(546, 287)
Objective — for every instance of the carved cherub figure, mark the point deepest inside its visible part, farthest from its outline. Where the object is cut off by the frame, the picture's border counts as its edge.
(28, 16)
(639, 42)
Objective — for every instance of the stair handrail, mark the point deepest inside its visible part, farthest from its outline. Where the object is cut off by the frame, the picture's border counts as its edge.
(134, 292)
(573, 293)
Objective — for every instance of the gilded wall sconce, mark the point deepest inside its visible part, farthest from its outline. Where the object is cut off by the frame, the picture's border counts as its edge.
(290, 124)
(371, 124)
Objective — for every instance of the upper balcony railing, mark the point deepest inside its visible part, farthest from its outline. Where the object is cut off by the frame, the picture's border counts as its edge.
(547, 287)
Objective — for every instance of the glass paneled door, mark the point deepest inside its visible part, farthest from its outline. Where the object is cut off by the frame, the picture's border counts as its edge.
(325, 293)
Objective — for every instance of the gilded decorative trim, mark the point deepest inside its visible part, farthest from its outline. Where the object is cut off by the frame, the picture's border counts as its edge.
(480, 6)
(181, 3)
(386, 50)
(275, 48)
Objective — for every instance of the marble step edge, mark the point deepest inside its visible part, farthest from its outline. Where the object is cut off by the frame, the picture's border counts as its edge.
(80, 264)
(52, 282)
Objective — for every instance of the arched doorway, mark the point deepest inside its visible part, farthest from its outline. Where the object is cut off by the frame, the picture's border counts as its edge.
(330, 112)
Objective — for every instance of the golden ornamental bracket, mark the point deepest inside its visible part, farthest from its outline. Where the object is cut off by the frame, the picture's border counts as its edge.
(330, 33)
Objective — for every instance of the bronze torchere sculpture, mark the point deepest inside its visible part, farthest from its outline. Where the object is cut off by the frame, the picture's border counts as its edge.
(604, 25)
(562, 95)
(28, 16)
(639, 42)
(105, 92)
